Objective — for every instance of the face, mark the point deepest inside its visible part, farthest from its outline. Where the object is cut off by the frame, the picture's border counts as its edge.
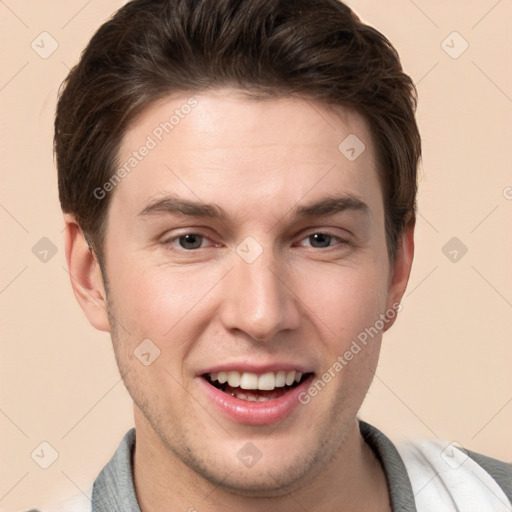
(251, 252)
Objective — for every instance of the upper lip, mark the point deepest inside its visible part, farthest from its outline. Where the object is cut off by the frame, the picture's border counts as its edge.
(258, 369)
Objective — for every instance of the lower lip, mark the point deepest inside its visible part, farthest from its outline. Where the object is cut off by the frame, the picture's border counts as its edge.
(255, 413)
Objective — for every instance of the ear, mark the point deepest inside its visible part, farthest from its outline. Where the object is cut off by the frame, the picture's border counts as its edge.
(85, 274)
(401, 268)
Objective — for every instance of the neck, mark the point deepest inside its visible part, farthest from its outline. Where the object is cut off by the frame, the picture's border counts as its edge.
(352, 480)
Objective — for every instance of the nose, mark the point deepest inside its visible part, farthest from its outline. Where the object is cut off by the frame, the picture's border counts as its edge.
(258, 299)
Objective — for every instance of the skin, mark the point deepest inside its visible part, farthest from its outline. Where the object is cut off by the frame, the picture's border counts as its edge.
(258, 160)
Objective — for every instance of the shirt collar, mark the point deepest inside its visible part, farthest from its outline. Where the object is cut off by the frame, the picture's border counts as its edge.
(114, 490)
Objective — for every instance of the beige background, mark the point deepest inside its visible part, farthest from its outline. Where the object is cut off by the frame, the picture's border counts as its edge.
(445, 370)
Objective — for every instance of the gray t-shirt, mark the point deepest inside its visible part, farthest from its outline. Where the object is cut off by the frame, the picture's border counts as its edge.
(484, 480)
(113, 490)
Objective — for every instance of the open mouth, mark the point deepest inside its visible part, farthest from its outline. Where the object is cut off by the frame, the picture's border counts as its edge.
(256, 388)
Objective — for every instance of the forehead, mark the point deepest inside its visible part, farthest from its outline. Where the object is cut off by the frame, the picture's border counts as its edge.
(222, 145)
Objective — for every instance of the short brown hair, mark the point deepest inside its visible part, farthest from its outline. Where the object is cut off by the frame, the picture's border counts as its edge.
(149, 49)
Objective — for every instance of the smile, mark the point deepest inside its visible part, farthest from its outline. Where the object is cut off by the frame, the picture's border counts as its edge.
(255, 388)
(251, 398)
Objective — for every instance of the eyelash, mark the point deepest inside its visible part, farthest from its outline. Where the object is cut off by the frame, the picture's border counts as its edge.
(340, 241)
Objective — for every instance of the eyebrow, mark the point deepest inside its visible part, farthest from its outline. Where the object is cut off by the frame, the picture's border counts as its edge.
(322, 208)
(331, 206)
(175, 205)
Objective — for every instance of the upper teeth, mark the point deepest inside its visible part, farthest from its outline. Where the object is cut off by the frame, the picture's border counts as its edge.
(267, 382)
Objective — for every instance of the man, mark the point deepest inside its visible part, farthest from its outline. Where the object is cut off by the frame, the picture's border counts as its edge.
(239, 183)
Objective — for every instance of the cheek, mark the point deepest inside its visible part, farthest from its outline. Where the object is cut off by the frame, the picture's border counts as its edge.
(346, 305)
(344, 300)
(155, 301)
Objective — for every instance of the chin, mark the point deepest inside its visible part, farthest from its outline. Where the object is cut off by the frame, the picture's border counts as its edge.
(258, 482)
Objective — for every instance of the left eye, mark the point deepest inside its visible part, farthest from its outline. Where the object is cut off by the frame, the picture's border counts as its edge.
(190, 241)
(321, 240)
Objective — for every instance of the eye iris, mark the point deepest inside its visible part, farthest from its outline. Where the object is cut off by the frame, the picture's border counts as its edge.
(320, 240)
(190, 241)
